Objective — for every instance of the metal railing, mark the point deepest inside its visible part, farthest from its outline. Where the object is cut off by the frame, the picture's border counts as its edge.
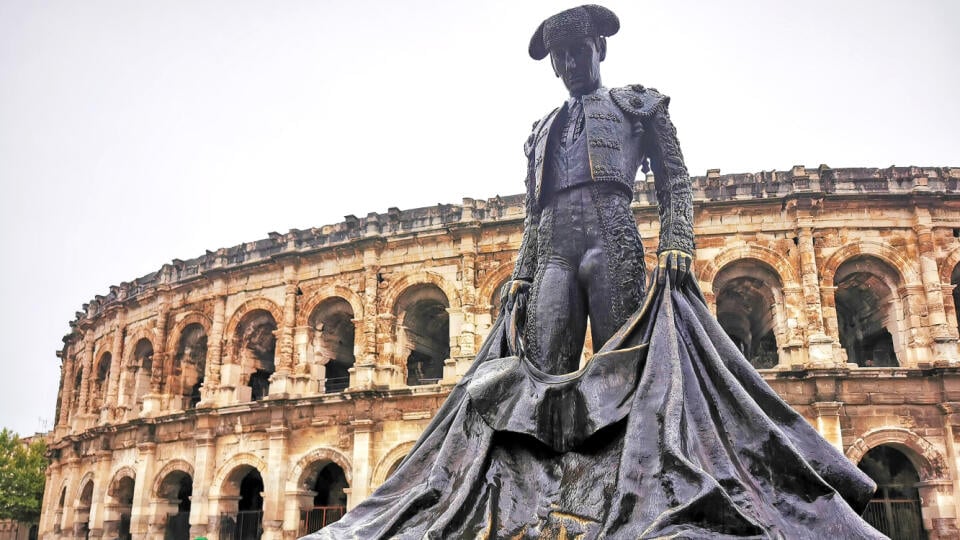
(336, 384)
(244, 525)
(318, 517)
(897, 518)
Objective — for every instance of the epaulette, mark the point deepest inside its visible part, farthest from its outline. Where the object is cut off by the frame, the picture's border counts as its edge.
(639, 102)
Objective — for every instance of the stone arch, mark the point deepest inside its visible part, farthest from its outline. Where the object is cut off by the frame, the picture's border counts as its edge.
(300, 472)
(490, 286)
(252, 305)
(391, 458)
(315, 296)
(884, 252)
(252, 346)
(400, 286)
(100, 379)
(87, 478)
(129, 350)
(229, 467)
(926, 459)
(192, 317)
(780, 265)
(124, 471)
(331, 342)
(421, 333)
(172, 466)
(948, 264)
(950, 282)
(868, 311)
(750, 302)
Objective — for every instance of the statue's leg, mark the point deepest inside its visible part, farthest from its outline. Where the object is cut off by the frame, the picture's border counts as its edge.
(613, 270)
(557, 312)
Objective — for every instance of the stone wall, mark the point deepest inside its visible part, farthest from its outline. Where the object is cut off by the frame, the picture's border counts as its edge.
(335, 345)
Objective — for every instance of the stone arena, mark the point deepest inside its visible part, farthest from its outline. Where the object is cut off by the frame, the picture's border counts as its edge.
(260, 390)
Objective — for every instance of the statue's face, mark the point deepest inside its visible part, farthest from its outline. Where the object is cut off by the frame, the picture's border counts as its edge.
(578, 64)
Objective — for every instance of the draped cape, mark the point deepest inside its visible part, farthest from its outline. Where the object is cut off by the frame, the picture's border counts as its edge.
(668, 431)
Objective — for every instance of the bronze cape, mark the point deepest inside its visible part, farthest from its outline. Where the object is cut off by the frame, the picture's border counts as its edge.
(667, 432)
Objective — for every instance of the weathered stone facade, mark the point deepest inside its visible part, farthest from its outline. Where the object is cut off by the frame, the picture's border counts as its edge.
(273, 359)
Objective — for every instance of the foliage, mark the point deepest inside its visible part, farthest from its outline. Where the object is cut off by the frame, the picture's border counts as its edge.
(21, 477)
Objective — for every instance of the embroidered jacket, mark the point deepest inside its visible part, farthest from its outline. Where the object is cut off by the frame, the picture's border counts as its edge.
(624, 127)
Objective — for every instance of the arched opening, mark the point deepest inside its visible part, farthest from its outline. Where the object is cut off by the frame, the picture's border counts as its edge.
(393, 468)
(119, 507)
(241, 508)
(176, 491)
(423, 333)
(102, 375)
(333, 342)
(867, 312)
(256, 336)
(496, 299)
(58, 516)
(749, 302)
(895, 507)
(77, 385)
(190, 363)
(139, 371)
(327, 481)
(81, 519)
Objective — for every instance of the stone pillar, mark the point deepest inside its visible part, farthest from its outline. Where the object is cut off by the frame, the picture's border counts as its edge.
(83, 419)
(951, 438)
(110, 403)
(275, 479)
(944, 343)
(913, 299)
(828, 422)
(101, 512)
(820, 345)
(69, 374)
(205, 465)
(280, 382)
(362, 461)
(211, 380)
(366, 368)
(153, 400)
(69, 523)
(146, 455)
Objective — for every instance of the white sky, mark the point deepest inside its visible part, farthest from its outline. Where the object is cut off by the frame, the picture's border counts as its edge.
(136, 132)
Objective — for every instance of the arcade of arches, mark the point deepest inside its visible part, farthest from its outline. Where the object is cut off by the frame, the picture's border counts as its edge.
(260, 391)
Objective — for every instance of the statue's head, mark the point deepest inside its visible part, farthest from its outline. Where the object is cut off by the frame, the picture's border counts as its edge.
(575, 40)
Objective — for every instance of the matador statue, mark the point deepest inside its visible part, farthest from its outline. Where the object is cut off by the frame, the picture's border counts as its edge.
(667, 431)
(581, 252)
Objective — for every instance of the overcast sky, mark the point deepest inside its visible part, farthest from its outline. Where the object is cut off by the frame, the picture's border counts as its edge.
(136, 132)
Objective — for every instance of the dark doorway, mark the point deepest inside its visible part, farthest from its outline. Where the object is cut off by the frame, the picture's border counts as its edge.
(895, 507)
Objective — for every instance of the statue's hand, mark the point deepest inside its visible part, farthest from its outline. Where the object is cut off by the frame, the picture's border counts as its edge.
(514, 292)
(678, 264)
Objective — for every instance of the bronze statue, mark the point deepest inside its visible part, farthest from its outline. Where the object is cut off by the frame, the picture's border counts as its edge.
(581, 254)
(667, 431)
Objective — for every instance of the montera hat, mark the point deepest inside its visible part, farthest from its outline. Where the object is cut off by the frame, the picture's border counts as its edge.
(573, 24)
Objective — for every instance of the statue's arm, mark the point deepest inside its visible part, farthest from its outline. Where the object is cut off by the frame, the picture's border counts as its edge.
(671, 180)
(526, 265)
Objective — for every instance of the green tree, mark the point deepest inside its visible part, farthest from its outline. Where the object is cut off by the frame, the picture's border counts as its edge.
(21, 477)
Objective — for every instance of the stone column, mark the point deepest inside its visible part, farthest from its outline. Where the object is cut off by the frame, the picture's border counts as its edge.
(828, 422)
(83, 416)
(280, 382)
(69, 523)
(68, 374)
(362, 461)
(110, 403)
(211, 380)
(146, 455)
(153, 401)
(205, 465)
(913, 299)
(944, 343)
(275, 479)
(819, 345)
(99, 509)
(367, 369)
(951, 432)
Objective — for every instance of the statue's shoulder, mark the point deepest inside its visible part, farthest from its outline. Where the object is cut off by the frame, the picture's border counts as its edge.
(639, 101)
